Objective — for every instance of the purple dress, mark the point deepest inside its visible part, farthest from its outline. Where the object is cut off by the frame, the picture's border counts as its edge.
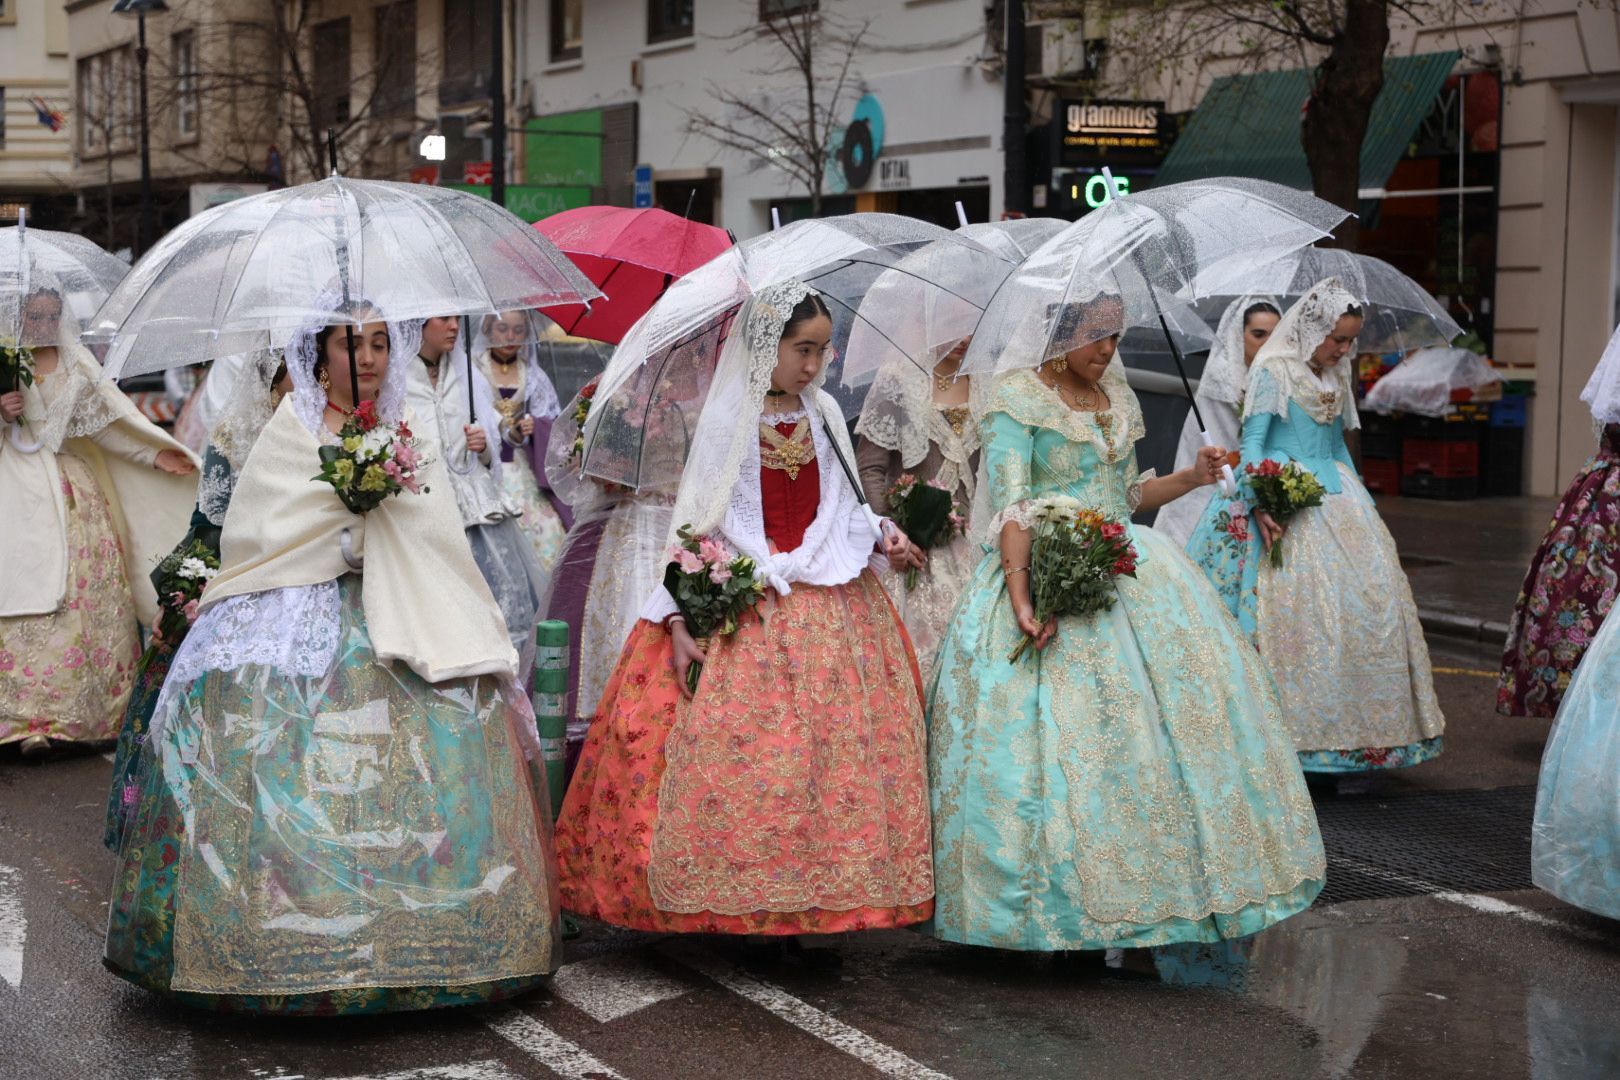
(1568, 590)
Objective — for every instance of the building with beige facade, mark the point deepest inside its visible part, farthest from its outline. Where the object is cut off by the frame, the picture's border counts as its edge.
(35, 100)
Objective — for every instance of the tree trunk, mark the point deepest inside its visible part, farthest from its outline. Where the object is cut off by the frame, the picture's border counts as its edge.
(1347, 84)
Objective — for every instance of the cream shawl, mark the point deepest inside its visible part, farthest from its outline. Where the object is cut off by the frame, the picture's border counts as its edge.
(426, 604)
(96, 422)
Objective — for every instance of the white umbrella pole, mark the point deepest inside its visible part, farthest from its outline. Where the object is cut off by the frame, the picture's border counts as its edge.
(961, 214)
(15, 427)
(776, 219)
(1228, 480)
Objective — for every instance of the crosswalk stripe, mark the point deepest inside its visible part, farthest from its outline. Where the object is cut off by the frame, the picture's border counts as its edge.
(613, 986)
(472, 1070)
(806, 1017)
(13, 926)
(550, 1049)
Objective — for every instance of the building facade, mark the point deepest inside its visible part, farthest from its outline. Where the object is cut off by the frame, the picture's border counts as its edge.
(608, 85)
(35, 100)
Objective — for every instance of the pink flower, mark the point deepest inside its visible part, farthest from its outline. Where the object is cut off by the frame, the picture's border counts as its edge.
(720, 574)
(7, 661)
(191, 611)
(101, 658)
(73, 658)
(714, 553)
(1112, 530)
(689, 561)
(392, 470)
(1239, 528)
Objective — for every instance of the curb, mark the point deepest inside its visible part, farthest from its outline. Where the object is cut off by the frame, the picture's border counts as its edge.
(1484, 631)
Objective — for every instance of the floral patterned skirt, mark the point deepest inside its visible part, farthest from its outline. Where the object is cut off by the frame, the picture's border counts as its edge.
(150, 672)
(1567, 591)
(789, 797)
(352, 840)
(540, 524)
(67, 675)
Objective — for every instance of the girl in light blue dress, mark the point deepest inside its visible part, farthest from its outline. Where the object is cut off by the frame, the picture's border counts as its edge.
(1335, 622)
(1130, 782)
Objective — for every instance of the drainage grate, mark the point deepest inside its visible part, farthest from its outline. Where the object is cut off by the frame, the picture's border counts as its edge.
(1412, 845)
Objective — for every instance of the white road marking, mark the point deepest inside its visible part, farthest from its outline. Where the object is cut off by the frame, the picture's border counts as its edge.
(110, 756)
(1490, 905)
(1426, 888)
(550, 1049)
(609, 987)
(13, 926)
(472, 1070)
(806, 1017)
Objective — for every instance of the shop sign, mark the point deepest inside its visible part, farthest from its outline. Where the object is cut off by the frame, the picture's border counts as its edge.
(894, 173)
(1102, 131)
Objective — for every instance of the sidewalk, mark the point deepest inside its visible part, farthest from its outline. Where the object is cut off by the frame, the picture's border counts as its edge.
(1466, 559)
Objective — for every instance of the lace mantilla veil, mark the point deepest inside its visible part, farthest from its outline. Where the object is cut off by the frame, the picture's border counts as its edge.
(79, 406)
(1282, 372)
(539, 393)
(1225, 373)
(1602, 392)
(309, 400)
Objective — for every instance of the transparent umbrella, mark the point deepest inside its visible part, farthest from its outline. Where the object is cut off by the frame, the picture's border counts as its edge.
(649, 398)
(1400, 315)
(35, 260)
(249, 273)
(1155, 251)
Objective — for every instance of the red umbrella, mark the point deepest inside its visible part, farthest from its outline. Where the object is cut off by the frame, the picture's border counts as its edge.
(632, 256)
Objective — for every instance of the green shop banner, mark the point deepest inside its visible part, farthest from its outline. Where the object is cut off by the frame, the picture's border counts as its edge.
(562, 165)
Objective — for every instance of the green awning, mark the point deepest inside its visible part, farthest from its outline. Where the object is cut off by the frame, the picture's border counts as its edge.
(1248, 125)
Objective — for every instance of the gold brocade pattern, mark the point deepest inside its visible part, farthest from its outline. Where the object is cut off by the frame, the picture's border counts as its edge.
(786, 453)
(363, 829)
(68, 675)
(1340, 632)
(796, 777)
(957, 417)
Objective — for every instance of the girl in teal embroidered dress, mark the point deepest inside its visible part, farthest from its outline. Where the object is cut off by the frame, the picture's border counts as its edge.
(1336, 622)
(1130, 783)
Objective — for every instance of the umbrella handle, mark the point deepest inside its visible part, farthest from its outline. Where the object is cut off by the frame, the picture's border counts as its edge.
(1228, 480)
(16, 438)
(346, 549)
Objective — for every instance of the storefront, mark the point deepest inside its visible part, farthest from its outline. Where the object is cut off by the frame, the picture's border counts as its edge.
(1086, 135)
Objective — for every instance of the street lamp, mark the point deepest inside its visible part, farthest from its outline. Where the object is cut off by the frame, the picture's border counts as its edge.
(140, 9)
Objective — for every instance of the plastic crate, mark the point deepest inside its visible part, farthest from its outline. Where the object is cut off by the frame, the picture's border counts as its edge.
(1380, 476)
(1380, 437)
(1458, 427)
(1511, 412)
(1429, 486)
(1439, 458)
(1501, 462)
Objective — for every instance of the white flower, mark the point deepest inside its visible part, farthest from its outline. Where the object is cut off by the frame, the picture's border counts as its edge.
(193, 568)
(1058, 508)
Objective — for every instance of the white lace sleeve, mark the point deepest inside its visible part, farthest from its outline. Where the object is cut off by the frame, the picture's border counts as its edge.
(1133, 497)
(1021, 513)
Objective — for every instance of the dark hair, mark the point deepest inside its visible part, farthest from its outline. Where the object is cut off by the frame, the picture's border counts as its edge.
(324, 334)
(1261, 307)
(1353, 311)
(1078, 322)
(280, 373)
(805, 310)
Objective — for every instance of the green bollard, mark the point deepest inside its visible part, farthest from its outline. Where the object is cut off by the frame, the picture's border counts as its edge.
(551, 701)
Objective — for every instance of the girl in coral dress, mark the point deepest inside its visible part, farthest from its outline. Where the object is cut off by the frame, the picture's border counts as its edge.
(788, 795)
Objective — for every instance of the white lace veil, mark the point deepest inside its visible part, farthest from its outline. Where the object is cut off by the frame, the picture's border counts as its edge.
(247, 409)
(1602, 393)
(539, 393)
(79, 406)
(899, 414)
(729, 422)
(1225, 372)
(309, 400)
(1286, 356)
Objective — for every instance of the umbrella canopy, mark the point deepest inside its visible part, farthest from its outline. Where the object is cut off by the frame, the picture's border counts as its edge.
(1157, 251)
(632, 256)
(649, 398)
(36, 260)
(1016, 239)
(1400, 314)
(249, 273)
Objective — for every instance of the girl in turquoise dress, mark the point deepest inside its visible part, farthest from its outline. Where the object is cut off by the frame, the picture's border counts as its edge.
(1336, 622)
(1130, 783)
(338, 807)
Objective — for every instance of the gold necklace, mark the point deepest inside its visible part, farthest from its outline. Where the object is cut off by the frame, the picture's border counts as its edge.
(786, 453)
(944, 382)
(1091, 402)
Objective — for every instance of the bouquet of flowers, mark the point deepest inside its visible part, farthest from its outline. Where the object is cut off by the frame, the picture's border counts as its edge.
(582, 413)
(180, 579)
(712, 585)
(372, 460)
(1073, 560)
(16, 366)
(1283, 491)
(926, 513)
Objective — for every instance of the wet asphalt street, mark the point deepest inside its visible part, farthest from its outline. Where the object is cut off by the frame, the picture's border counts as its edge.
(1424, 980)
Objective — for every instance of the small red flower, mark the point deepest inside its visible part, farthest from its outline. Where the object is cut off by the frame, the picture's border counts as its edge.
(1112, 530)
(1265, 468)
(365, 415)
